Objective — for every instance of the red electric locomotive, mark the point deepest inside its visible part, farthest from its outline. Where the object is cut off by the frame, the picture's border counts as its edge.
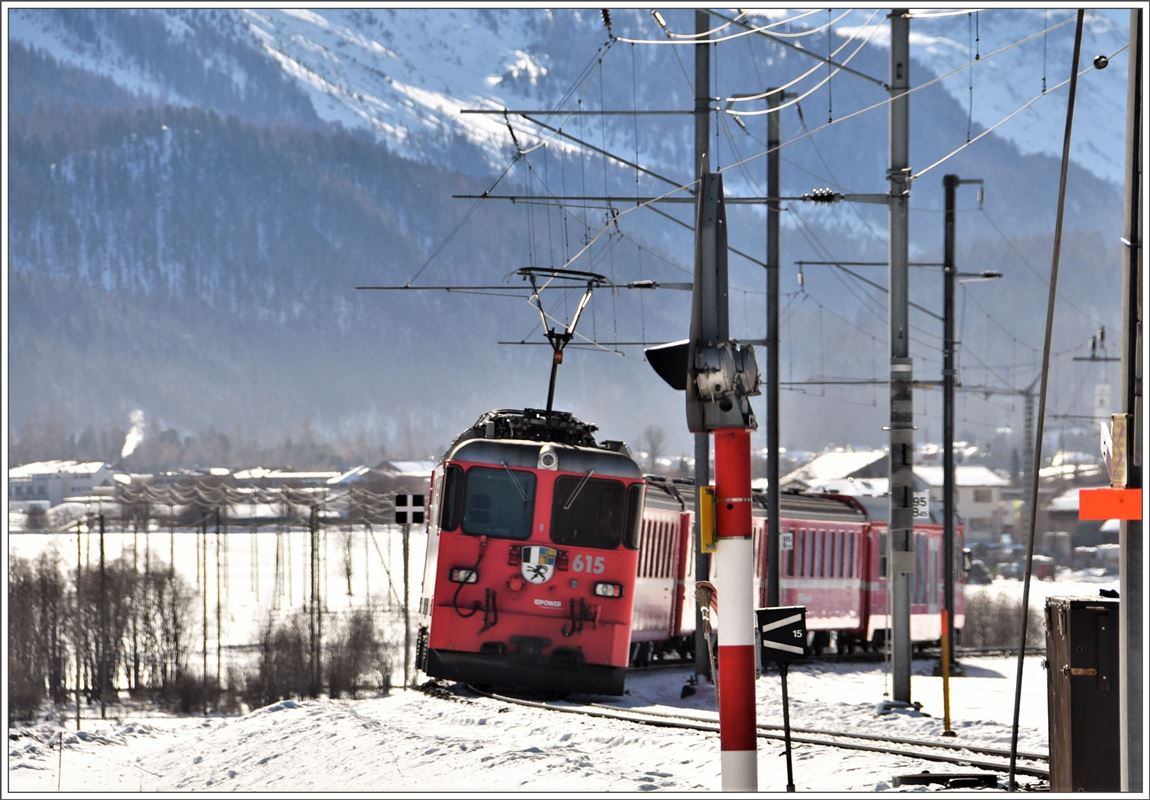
(552, 563)
(531, 556)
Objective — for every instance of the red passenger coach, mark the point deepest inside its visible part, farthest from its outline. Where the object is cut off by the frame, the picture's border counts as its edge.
(531, 556)
(823, 568)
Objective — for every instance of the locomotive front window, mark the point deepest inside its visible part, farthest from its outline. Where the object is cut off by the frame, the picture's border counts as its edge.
(449, 498)
(499, 502)
(634, 515)
(587, 512)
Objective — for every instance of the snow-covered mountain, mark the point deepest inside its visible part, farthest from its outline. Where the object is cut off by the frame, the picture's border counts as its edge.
(209, 184)
(405, 74)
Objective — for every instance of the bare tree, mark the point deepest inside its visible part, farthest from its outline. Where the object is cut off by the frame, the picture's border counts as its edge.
(655, 439)
(355, 650)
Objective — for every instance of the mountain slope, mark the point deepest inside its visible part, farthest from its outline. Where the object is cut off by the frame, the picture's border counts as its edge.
(204, 188)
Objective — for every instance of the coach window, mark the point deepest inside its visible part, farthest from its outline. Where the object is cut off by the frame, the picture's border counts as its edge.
(848, 558)
(808, 551)
(499, 503)
(449, 498)
(587, 512)
(882, 555)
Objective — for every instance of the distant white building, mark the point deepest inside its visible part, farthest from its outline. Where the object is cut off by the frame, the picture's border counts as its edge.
(837, 465)
(48, 483)
(268, 478)
(978, 497)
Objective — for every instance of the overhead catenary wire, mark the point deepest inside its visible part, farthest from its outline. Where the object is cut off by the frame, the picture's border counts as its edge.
(879, 104)
(738, 98)
(830, 76)
(810, 31)
(590, 240)
(691, 42)
(699, 34)
(579, 80)
(936, 14)
(914, 89)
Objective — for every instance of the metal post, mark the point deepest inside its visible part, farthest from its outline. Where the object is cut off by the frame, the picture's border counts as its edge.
(702, 440)
(947, 626)
(773, 101)
(1130, 635)
(950, 185)
(406, 606)
(219, 606)
(102, 661)
(312, 633)
(783, 668)
(1027, 459)
(901, 521)
(202, 562)
(79, 657)
(735, 561)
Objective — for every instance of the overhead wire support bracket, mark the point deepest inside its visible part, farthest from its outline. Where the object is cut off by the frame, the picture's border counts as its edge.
(601, 198)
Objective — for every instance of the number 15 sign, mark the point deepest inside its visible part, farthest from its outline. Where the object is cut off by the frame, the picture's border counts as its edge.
(784, 632)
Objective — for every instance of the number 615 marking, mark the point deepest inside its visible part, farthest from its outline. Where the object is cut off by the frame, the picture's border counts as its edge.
(592, 564)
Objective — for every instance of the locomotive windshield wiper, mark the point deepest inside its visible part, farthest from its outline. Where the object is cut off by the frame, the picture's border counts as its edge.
(518, 485)
(579, 488)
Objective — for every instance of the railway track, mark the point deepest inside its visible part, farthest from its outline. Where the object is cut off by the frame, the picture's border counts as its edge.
(861, 657)
(992, 759)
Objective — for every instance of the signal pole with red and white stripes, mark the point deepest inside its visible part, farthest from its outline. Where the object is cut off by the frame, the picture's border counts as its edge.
(734, 560)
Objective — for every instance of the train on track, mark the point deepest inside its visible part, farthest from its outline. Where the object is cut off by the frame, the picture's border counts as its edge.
(553, 563)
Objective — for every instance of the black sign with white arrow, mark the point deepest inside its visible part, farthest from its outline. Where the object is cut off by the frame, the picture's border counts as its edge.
(784, 632)
(409, 509)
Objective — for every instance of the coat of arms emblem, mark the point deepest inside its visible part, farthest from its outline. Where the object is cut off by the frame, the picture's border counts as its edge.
(538, 563)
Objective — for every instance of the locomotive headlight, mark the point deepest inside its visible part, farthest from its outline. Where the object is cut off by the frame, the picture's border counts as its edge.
(464, 575)
(548, 458)
(608, 590)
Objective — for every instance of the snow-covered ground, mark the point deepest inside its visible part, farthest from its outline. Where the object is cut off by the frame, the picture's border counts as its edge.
(412, 741)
